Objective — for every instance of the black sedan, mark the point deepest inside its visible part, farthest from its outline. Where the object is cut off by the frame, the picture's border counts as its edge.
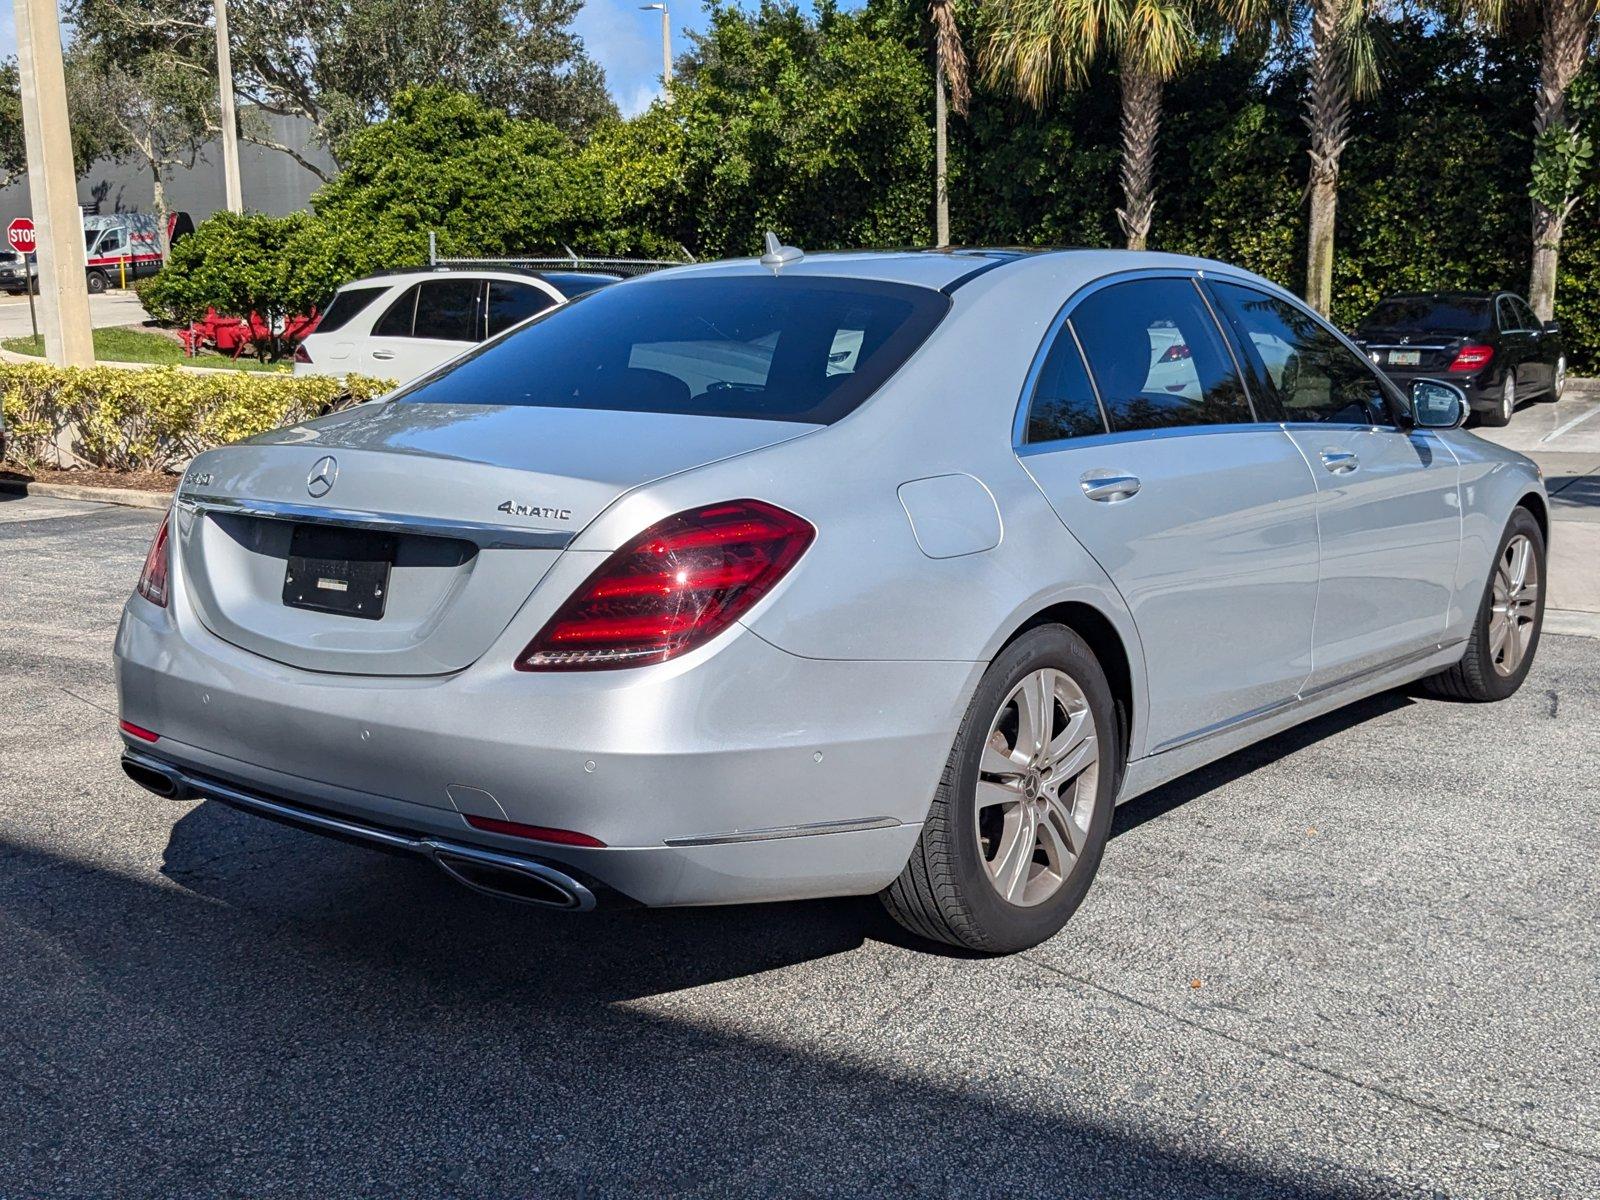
(1489, 343)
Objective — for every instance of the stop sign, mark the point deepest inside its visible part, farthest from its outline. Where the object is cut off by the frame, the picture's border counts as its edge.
(20, 234)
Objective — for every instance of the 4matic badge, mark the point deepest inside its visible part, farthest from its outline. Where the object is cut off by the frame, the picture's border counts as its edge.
(534, 510)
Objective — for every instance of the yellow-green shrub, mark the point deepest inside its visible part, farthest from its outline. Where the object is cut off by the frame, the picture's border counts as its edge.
(122, 420)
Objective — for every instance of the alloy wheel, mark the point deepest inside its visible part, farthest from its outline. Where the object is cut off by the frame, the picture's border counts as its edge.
(1037, 782)
(1508, 397)
(1561, 377)
(1514, 608)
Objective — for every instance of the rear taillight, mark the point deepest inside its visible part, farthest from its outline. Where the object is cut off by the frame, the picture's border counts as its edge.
(153, 579)
(675, 586)
(1472, 357)
(1177, 352)
(301, 354)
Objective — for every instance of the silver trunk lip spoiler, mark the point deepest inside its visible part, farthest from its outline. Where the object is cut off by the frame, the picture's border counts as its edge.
(483, 534)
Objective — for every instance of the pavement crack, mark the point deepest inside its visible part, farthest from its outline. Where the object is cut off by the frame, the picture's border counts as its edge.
(1437, 1110)
(82, 700)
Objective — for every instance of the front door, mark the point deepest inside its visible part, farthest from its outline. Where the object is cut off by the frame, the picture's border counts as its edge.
(1203, 518)
(1388, 509)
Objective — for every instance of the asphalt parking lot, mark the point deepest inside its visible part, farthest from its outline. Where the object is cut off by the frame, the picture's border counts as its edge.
(1356, 960)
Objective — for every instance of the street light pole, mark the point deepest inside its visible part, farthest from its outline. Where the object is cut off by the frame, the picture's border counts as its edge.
(666, 42)
(53, 186)
(232, 190)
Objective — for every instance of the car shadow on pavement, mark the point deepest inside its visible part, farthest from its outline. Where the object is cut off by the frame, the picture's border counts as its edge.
(302, 1018)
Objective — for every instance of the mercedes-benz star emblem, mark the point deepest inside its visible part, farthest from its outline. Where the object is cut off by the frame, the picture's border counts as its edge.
(320, 482)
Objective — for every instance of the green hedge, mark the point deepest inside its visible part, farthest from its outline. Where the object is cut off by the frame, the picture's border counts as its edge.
(122, 420)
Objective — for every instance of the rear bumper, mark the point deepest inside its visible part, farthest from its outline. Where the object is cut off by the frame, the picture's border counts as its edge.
(739, 773)
(1482, 391)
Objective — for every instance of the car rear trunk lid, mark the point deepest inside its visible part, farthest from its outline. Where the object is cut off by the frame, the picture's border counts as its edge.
(401, 539)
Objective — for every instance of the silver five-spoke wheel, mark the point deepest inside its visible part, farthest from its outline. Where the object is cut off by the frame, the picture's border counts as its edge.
(1515, 605)
(1037, 781)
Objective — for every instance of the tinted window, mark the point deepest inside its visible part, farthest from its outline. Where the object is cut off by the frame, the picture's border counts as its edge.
(447, 309)
(1426, 314)
(1063, 403)
(347, 304)
(1525, 315)
(1158, 358)
(788, 348)
(510, 303)
(1314, 375)
(396, 322)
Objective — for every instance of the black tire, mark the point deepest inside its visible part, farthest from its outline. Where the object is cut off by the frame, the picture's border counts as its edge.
(945, 894)
(1476, 677)
(97, 282)
(1499, 416)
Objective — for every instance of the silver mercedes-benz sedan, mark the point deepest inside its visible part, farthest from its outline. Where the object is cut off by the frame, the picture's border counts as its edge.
(817, 575)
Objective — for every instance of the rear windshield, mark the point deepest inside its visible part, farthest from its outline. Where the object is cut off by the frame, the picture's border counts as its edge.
(770, 348)
(1422, 314)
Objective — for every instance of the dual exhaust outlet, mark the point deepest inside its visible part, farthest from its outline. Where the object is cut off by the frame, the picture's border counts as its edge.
(503, 876)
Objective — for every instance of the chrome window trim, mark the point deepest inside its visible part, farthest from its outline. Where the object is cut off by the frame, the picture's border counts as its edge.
(1029, 449)
(1019, 420)
(485, 535)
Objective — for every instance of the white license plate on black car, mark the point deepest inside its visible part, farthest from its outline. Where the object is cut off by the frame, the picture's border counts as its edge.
(1404, 358)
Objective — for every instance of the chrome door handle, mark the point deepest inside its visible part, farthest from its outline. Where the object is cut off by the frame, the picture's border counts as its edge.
(386, 355)
(1109, 488)
(1340, 462)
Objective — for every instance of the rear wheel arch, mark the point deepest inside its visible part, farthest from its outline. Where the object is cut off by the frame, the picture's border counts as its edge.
(1095, 628)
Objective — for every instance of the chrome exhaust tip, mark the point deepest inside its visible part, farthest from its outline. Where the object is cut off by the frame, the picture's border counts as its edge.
(165, 784)
(511, 879)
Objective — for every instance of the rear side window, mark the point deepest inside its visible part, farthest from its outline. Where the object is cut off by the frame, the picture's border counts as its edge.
(347, 305)
(447, 310)
(396, 322)
(1063, 403)
(1525, 316)
(511, 303)
(1316, 376)
(1158, 358)
(785, 348)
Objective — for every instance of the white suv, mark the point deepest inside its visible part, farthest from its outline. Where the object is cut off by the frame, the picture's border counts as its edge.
(401, 324)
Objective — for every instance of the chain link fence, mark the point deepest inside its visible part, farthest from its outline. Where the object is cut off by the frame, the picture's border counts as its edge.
(571, 261)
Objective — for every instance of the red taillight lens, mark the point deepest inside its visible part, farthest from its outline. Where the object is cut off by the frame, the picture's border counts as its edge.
(1177, 352)
(1472, 356)
(138, 731)
(153, 579)
(675, 586)
(301, 354)
(537, 833)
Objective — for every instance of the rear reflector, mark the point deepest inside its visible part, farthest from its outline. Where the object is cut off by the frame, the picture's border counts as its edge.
(1472, 357)
(674, 587)
(537, 833)
(132, 730)
(157, 564)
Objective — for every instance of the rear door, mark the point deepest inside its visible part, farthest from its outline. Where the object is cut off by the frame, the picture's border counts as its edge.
(1542, 351)
(1387, 502)
(1202, 517)
(428, 324)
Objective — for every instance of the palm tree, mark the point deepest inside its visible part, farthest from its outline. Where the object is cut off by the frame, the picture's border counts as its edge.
(1343, 68)
(949, 71)
(1567, 30)
(1037, 46)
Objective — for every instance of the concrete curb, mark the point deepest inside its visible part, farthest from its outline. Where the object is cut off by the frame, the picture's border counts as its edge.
(1571, 622)
(128, 497)
(23, 360)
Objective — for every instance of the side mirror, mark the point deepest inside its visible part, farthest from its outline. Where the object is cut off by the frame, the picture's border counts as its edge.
(1437, 405)
(1552, 327)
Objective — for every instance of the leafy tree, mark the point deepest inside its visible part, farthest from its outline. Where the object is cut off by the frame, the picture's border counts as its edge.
(1038, 46)
(339, 66)
(1563, 99)
(814, 128)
